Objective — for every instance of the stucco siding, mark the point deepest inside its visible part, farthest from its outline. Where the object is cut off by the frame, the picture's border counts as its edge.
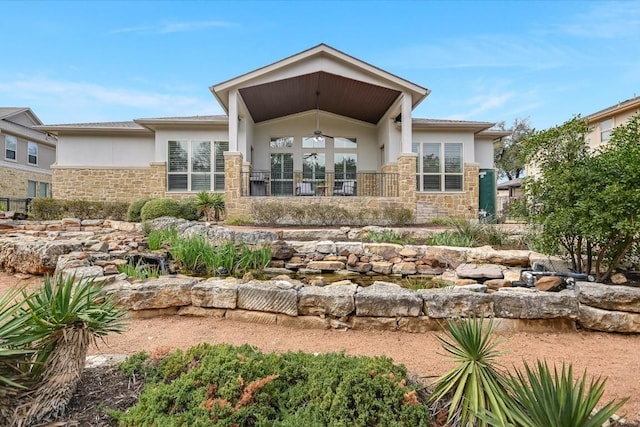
(163, 136)
(113, 150)
(484, 153)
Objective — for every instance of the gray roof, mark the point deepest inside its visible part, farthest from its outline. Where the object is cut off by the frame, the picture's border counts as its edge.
(96, 125)
(11, 111)
(186, 118)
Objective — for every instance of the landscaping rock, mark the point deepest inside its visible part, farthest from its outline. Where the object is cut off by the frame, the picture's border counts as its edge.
(382, 267)
(608, 297)
(488, 255)
(336, 300)
(326, 247)
(479, 271)
(619, 279)
(534, 305)
(549, 283)
(81, 273)
(608, 321)
(163, 292)
(404, 268)
(495, 284)
(215, 293)
(281, 250)
(451, 303)
(326, 265)
(383, 299)
(30, 255)
(277, 296)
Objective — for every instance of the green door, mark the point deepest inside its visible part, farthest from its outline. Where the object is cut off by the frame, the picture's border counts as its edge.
(487, 202)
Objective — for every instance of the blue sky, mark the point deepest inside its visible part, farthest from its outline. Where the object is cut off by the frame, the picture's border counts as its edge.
(84, 61)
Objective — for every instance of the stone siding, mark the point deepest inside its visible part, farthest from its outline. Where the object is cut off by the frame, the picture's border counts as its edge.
(109, 184)
(461, 204)
(13, 181)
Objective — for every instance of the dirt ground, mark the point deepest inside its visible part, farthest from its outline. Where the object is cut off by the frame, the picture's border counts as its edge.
(613, 356)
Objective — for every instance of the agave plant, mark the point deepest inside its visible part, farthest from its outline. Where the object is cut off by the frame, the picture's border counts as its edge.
(211, 204)
(543, 398)
(43, 344)
(476, 383)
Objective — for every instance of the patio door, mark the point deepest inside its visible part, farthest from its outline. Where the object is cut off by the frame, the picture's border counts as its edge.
(281, 174)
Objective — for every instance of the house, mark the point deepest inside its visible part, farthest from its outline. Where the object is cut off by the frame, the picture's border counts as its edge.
(603, 121)
(27, 156)
(317, 127)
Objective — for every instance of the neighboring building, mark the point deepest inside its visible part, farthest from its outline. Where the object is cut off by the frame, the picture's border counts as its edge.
(317, 126)
(605, 120)
(27, 155)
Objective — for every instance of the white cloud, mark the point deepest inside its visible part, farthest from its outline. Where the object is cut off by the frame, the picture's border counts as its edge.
(172, 27)
(603, 20)
(64, 101)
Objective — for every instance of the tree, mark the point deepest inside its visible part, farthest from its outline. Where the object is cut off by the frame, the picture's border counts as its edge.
(509, 156)
(585, 203)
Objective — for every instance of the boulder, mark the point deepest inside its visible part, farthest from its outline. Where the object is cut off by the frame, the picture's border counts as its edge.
(163, 292)
(549, 283)
(451, 256)
(512, 304)
(495, 284)
(619, 279)
(81, 273)
(326, 247)
(382, 267)
(30, 255)
(336, 300)
(277, 296)
(609, 297)
(488, 255)
(383, 299)
(608, 321)
(404, 268)
(281, 250)
(361, 267)
(385, 250)
(550, 263)
(215, 293)
(450, 302)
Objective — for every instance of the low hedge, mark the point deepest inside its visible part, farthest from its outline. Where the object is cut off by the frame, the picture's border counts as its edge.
(45, 208)
(135, 209)
(157, 208)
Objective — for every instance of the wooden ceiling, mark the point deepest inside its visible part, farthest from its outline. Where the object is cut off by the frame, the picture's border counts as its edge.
(336, 94)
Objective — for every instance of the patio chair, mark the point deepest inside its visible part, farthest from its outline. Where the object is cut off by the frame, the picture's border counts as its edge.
(348, 189)
(304, 189)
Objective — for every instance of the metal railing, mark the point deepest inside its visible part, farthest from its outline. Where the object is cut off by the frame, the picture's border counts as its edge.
(15, 205)
(292, 184)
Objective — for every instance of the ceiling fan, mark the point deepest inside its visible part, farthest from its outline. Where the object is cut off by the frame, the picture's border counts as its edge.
(317, 134)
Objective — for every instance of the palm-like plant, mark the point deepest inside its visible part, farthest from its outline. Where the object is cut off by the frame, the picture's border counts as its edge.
(210, 204)
(475, 384)
(543, 398)
(43, 345)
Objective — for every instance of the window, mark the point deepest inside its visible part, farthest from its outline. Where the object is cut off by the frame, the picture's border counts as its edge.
(313, 142)
(282, 142)
(605, 130)
(31, 188)
(196, 165)
(44, 189)
(32, 153)
(439, 166)
(10, 147)
(281, 174)
(313, 166)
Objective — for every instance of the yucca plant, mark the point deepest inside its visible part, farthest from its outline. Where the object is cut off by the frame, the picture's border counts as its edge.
(476, 383)
(543, 398)
(53, 328)
(211, 204)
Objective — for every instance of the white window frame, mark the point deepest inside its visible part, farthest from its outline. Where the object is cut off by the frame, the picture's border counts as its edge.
(31, 145)
(32, 189)
(606, 126)
(443, 173)
(7, 140)
(216, 166)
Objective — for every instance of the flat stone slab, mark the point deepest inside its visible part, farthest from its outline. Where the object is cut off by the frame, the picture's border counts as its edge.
(276, 296)
(163, 292)
(383, 299)
(84, 273)
(215, 293)
(326, 265)
(608, 321)
(479, 271)
(609, 297)
(511, 258)
(452, 302)
(534, 305)
(336, 300)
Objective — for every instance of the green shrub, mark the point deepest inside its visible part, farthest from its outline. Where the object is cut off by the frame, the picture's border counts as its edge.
(227, 385)
(386, 236)
(195, 255)
(210, 204)
(189, 210)
(398, 216)
(133, 213)
(238, 220)
(253, 259)
(157, 208)
(269, 212)
(158, 238)
(45, 208)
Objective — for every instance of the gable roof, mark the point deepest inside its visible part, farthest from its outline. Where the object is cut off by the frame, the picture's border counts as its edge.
(97, 127)
(311, 79)
(14, 127)
(620, 107)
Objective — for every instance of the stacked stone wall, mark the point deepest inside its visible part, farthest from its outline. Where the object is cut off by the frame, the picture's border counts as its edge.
(13, 181)
(462, 204)
(109, 184)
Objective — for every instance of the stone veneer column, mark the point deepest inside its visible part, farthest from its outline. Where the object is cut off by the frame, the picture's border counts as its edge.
(233, 183)
(407, 180)
(472, 188)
